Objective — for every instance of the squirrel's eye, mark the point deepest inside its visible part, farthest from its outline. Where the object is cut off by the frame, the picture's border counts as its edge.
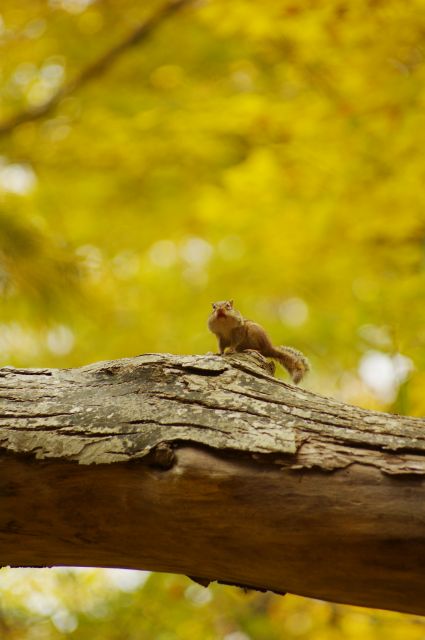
(228, 305)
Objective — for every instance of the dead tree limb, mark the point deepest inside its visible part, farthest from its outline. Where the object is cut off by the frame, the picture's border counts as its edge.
(95, 68)
(208, 466)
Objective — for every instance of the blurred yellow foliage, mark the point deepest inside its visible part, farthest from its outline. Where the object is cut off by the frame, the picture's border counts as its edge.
(270, 152)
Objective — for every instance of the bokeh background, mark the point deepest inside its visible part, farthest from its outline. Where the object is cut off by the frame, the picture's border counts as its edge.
(271, 152)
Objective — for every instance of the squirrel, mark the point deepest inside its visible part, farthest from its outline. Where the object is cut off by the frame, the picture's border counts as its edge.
(236, 333)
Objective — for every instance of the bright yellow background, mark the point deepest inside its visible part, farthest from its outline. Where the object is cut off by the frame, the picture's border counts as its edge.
(271, 152)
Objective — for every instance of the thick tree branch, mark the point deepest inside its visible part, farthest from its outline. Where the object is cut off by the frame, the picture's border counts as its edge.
(208, 466)
(96, 68)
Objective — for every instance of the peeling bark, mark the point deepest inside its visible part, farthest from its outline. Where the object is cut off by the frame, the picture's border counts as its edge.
(208, 466)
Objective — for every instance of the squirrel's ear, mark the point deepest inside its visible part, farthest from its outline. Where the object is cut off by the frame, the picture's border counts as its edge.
(231, 302)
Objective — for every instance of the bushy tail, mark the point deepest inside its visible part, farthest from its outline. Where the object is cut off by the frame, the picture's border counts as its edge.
(294, 362)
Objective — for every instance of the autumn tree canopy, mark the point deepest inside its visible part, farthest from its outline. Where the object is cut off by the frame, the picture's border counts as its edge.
(157, 156)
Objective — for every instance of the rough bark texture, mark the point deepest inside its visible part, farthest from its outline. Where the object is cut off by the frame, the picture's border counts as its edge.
(208, 466)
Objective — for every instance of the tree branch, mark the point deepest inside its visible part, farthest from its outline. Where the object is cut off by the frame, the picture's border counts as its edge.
(96, 68)
(208, 466)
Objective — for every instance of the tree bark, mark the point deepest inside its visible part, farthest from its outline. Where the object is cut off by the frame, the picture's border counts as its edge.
(209, 466)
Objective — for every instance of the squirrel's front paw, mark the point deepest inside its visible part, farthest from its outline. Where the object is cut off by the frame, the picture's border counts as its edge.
(229, 350)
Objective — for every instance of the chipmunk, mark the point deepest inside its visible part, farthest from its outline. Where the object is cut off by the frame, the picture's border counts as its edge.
(235, 333)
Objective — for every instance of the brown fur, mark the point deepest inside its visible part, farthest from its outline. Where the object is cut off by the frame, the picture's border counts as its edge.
(235, 333)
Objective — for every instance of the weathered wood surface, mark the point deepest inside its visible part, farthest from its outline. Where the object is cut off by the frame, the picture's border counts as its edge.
(208, 466)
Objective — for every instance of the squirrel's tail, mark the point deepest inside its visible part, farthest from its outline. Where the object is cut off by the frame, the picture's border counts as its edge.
(294, 362)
